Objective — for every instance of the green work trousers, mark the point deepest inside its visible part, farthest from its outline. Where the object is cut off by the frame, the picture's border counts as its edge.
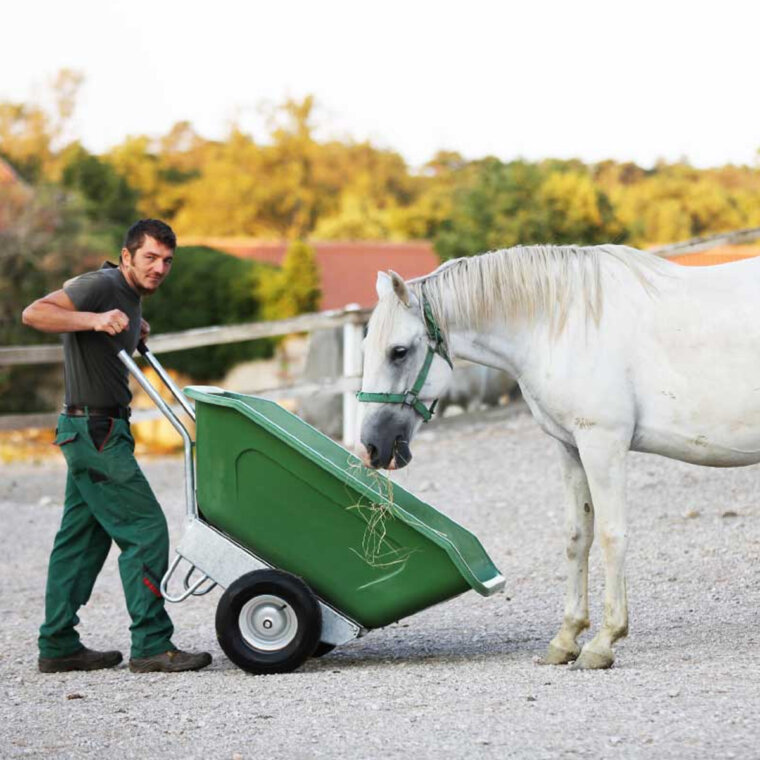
(107, 498)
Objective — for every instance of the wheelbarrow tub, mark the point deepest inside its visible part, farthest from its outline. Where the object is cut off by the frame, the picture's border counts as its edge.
(304, 504)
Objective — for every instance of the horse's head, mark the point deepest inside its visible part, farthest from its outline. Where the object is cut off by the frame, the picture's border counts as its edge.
(406, 368)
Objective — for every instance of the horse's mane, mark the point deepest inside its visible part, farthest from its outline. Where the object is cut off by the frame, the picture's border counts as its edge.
(531, 281)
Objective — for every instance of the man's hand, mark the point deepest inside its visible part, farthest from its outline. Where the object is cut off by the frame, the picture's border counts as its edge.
(112, 322)
(144, 330)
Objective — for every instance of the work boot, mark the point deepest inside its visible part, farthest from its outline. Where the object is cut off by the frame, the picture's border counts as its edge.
(84, 659)
(174, 661)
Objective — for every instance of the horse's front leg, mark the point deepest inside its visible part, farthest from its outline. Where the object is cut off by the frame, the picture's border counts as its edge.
(603, 457)
(579, 531)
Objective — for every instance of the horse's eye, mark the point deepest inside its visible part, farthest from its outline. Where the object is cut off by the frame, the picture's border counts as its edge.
(398, 353)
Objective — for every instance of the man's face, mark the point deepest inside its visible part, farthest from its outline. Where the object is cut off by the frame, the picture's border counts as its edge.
(148, 266)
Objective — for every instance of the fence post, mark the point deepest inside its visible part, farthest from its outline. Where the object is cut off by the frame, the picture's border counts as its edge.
(352, 368)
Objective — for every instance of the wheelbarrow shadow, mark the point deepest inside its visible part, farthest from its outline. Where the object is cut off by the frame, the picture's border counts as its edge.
(405, 649)
(418, 649)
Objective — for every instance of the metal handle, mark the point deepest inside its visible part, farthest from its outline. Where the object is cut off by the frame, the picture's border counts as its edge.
(199, 591)
(166, 378)
(189, 590)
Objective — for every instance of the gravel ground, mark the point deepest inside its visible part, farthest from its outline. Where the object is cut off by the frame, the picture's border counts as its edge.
(460, 679)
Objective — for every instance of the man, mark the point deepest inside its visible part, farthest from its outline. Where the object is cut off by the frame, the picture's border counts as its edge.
(107, 496)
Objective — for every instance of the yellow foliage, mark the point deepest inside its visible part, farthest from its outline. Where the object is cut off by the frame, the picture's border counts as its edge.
(573, 196)
(356, 219)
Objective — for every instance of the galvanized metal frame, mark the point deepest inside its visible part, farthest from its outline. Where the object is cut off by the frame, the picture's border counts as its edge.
(223, 561)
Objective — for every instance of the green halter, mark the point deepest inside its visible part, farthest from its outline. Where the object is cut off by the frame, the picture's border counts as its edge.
(411, 398)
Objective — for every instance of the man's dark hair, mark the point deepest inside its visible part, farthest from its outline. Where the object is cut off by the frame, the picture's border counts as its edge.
(154, 228)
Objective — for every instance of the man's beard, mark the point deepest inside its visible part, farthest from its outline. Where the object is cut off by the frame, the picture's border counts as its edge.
(142, 289)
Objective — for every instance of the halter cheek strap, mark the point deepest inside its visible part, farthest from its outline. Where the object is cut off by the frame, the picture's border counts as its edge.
(411, 397)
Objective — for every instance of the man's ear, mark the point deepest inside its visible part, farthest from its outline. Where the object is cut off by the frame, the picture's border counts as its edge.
(399, 288)
(125, 256)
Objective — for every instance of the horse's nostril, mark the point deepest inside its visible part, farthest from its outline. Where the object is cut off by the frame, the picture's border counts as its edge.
(401, 452)
(372, 451)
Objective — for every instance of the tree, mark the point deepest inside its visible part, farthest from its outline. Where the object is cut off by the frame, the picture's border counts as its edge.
(45, 237)
(230, 196)
(497, 205)
(494, 207)
(141, 169)
(292, 186)
(357, 218)
(25, 138)
(577, 211)
(293, 196)
(31, 135)
(295, 288)
(433, 199)
(65, 89)
(207, 288)
(109, 198)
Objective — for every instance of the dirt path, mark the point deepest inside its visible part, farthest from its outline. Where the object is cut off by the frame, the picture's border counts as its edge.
(458, 680)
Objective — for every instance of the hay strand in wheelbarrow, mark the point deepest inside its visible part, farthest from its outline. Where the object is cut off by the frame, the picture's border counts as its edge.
(376, 550)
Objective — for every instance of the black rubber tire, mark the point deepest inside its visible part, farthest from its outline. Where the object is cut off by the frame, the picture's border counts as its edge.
(291, 590)
(323, 649)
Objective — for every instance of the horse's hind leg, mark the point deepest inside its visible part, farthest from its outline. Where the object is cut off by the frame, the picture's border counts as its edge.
(579, 527)
(603, 457)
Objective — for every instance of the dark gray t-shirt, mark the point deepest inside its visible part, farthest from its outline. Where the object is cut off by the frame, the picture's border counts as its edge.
(94, 375)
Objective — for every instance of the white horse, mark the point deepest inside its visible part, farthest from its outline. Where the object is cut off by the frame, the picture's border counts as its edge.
(614, 350)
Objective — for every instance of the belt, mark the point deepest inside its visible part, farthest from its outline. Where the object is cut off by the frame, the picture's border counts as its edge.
(119, 412)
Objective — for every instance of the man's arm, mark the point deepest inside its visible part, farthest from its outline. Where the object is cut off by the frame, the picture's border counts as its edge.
(56, 313)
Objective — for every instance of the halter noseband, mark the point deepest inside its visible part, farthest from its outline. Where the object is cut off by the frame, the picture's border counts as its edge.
(411, 397)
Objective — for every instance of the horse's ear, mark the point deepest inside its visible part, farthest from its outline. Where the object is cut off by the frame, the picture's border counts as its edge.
(384, 286)
(399, 288)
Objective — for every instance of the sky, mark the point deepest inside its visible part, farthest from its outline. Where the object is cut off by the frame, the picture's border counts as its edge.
(638, 81)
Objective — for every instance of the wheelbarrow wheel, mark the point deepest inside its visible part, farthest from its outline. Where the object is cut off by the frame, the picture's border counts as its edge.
(268, 621)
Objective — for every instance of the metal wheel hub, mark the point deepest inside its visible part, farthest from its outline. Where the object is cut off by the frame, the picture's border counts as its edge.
(268, 623)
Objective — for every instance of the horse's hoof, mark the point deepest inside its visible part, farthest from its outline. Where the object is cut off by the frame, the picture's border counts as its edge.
(557, 656)
(591, 660)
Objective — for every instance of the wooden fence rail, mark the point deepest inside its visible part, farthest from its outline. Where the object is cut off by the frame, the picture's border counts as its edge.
(352, 319)
(204, 336)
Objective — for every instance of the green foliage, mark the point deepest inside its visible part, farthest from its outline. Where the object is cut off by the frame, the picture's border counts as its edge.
(520, 203)
(495, 206)
(45, 237)
(109, 199)
(205, 288)
(293, 289)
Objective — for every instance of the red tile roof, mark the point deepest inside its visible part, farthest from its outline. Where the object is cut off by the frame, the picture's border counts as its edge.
(7, 175)
(348, 269)
(720, 255)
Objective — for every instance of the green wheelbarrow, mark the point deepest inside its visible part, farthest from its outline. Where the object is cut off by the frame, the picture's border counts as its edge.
(312, 548)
